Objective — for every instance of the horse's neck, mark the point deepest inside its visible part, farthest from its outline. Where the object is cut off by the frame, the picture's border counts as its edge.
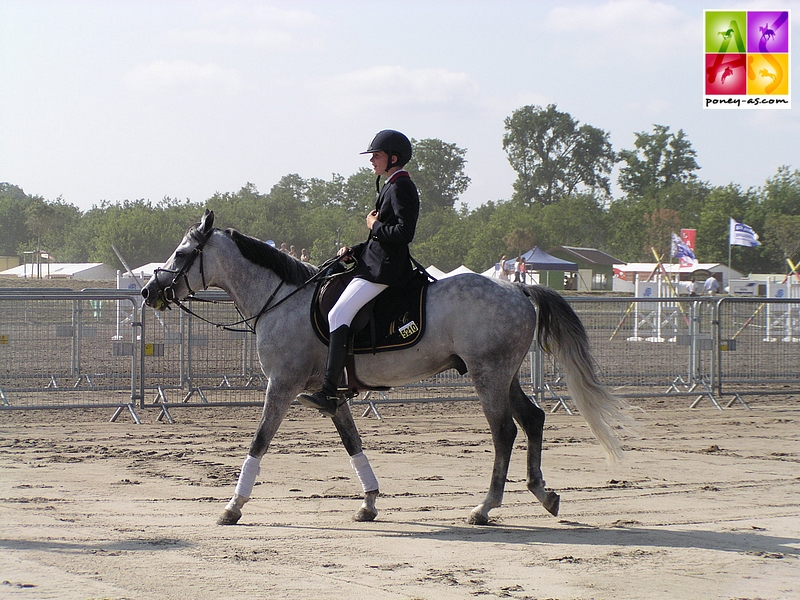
(249, 285)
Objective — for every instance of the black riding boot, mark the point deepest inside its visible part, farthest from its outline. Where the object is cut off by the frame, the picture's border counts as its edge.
(327, 399)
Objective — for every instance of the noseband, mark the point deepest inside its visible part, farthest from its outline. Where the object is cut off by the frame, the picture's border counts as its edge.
(168, 292)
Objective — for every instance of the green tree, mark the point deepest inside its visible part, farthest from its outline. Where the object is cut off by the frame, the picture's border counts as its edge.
(519, 240)
(713, 226)
(437, 169)
(238, 210)
(659, 227)
(359, 192)
(141, 232)
(554, 155)
(626, 236)
(442, 239)
(53, 227)
(659, 159)
(575, 220)
(782, 193)
(782, 236)
(13, 219)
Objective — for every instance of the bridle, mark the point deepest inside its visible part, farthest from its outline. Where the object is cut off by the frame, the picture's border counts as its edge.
(168, 292)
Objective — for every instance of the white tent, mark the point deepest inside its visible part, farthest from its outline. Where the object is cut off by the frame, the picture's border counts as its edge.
(439, 274)
(146, 271)
(83, 271)
(143, 273)
(436, 272)
(460, 270)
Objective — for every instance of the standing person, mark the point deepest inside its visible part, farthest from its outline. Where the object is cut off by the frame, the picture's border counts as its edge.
(711, 285)
(517, 269)
(304, 255)
(383, 259)
(292, 253)
(503, 273)
(691, 287)
(523, 270)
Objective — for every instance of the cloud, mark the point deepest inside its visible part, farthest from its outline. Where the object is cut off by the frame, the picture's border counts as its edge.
(639, 28)
(394, 86)
(252, 27)
(183, 75)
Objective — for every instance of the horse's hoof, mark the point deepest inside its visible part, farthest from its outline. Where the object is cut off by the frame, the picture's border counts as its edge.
(551, 503)
(365, 515)
(229, 517)
(476, 518)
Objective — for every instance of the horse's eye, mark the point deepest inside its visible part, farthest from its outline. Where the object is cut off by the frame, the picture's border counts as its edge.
(180, 254)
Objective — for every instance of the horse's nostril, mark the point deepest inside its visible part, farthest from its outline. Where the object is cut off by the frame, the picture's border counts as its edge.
(145, 293)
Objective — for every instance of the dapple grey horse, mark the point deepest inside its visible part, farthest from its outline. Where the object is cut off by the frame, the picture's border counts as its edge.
(474, 323)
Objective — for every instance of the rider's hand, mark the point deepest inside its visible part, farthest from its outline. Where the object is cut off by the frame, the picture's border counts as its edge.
(372, 218)
(343, 250)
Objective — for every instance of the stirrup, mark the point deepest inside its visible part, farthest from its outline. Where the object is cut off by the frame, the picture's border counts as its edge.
(325, 404)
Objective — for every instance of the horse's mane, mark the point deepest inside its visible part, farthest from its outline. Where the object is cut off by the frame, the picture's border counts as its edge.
(282, 264)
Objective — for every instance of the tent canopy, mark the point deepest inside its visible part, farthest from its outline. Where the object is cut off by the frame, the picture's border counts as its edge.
(539, 260)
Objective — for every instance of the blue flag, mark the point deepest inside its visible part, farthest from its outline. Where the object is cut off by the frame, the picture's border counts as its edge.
(743, 235)
(681, 251)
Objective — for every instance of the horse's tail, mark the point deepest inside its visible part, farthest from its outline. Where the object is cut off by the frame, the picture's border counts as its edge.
(561, 333)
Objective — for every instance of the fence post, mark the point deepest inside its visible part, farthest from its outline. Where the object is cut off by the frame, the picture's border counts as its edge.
(141, 371)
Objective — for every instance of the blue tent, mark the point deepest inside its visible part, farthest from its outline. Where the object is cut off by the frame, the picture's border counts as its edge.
(539, 260)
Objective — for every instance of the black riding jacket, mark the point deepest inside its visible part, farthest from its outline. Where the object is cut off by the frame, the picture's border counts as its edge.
(384, 257)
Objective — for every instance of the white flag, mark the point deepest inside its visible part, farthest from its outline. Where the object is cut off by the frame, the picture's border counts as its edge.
(743, 235)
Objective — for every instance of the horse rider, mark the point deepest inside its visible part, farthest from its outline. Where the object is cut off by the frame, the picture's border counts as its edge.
(383, 260)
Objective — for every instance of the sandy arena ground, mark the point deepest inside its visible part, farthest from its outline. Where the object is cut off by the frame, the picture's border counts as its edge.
(707, 505)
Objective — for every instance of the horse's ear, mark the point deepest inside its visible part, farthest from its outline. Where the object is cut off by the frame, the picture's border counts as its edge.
(207, 222)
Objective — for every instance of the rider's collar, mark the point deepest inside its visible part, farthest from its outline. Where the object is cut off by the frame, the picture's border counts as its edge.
(396, 174)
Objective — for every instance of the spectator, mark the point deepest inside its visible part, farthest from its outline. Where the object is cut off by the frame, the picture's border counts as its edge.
(502, 273)
(711, 286)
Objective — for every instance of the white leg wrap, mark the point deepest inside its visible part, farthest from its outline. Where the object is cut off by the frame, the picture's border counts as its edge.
(360, 464)
(247, 478)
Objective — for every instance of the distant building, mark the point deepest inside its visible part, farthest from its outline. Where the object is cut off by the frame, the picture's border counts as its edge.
(626, 275)
(54, 270)
(595, 268)
(7, 262)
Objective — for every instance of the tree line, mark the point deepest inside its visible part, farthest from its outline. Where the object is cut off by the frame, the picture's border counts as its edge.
(562, 196)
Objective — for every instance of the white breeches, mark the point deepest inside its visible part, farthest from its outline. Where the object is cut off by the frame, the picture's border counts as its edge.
(357, 293)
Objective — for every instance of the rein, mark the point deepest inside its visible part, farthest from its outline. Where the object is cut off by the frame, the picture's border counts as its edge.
(250, 322)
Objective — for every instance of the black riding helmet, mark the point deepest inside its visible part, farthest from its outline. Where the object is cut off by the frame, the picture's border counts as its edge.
(393, 143)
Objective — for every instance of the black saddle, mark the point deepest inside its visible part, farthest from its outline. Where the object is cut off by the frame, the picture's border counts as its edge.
(394, 320)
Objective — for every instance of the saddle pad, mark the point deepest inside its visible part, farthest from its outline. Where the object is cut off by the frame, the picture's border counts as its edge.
(397, 319)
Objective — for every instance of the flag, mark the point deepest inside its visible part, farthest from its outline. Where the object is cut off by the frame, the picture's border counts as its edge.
(689, 236)
(682, 251)
(743, 235)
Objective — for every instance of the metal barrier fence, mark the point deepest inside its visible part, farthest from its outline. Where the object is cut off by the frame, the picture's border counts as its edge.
(758, 346)
(60, 348)
(645, 347)
(99, 348)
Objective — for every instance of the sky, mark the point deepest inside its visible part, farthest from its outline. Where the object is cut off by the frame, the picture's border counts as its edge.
(126, 100)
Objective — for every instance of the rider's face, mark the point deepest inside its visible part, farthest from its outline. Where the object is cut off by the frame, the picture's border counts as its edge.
(379, 161)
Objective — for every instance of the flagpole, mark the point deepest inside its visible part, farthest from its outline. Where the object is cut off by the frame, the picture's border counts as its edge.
(730, 241)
